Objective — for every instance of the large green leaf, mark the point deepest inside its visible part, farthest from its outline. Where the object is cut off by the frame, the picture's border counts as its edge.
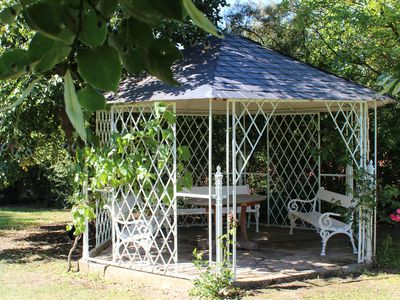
(141, 10)
(107, 7)
(23, 96)
(131, 42)
(94, 30)
(90, 99)
(45, 18)
(14, 64)
(72, 106)
(171, 9)
(48, 52)
(100, 67)
(9, 14)
(199, 18)
(159, 59)
(70, 16)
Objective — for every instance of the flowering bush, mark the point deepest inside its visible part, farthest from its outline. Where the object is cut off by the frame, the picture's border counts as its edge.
(395, 216)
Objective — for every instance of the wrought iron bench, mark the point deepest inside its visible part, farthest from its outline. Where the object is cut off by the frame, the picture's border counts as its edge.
(139, 230)
(323, 222)
(204, 191)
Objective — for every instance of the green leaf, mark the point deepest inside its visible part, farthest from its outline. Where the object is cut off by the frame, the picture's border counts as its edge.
(107, 7)
(171, 9)
(23, 96)
(9, 14)
(48, 52)
(169, 117)
(14, 64)
(44, 17)
(199, 18)
(184, 153)
(72, 106)
(94, 30)
(388, 85)
(91, 99)
(131, 41)
(159, 59)
(187, 180)
(396, 89)
(141, 10)
(100, 67)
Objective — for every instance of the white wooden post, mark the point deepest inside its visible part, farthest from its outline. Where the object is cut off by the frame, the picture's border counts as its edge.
(368, 254)
(218, 216)
(85, 238)
(349, 180)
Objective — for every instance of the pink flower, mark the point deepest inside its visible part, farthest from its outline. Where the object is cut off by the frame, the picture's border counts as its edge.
(398, 211)
(397, 218)
(392, 217)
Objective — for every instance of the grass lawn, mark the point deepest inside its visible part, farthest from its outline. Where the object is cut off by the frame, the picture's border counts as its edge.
(18, 218)
(34, 247)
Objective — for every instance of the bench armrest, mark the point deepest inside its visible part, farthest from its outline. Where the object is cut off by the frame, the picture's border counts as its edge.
(325, 220)
(107, 207)
(293, 205)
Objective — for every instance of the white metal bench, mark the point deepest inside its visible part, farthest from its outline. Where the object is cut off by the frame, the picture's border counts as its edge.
(204, 191)
(140, 232)
(323, 222)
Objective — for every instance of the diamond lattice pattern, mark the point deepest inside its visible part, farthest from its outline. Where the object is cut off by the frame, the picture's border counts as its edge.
(293, 164)
(103, 221)
(192, 131)
(144, 223)
(347, 119)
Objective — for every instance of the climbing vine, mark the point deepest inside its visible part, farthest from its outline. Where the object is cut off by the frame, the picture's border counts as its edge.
(131, 157)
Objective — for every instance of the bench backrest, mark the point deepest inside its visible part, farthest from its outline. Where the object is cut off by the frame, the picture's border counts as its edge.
(203, 190)
(122, 208)
(335, 198)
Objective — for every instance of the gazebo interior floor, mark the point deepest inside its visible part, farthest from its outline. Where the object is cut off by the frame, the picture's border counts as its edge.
(279, 257)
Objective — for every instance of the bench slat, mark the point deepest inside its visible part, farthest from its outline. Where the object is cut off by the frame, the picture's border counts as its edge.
(335, 198)
(313, 218)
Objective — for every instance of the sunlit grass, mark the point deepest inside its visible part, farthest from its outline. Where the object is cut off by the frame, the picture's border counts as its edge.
(18, 218)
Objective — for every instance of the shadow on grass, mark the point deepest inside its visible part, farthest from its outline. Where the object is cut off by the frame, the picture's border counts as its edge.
(48, 243)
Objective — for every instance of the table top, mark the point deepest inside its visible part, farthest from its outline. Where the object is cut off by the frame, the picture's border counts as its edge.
(240, 199)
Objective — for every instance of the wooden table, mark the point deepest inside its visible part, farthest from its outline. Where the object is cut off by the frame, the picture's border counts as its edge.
(243, 201)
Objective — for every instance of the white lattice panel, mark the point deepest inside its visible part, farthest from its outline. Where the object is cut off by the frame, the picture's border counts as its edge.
(293, 141)
(143, 216)
(103, 126)
(348, 120)
(192, 131)
(103, 221)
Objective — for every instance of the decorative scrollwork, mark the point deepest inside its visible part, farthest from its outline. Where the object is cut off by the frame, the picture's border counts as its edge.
(293, 206)
(324, 234)
(325, 222)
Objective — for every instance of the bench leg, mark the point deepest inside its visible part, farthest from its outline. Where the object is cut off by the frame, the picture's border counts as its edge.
(352, 242)
(325, 237)
(292, 219)
(257, 215)
(116, 252)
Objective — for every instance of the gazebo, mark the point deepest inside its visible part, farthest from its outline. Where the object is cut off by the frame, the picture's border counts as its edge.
(257, 115)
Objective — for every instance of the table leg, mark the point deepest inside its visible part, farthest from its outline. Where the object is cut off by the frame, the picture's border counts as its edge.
(243, 242)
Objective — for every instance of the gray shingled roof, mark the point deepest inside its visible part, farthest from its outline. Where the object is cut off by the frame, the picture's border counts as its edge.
(237, 68)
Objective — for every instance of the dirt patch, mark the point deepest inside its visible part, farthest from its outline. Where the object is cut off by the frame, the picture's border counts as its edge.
(34, 244)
